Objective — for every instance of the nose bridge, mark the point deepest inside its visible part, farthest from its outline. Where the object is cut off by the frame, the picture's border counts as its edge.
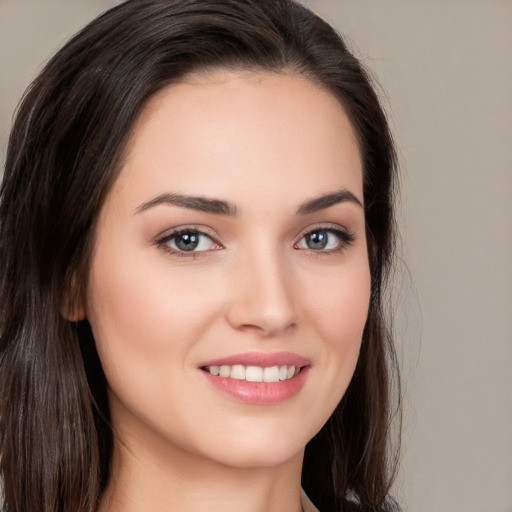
(263, 298)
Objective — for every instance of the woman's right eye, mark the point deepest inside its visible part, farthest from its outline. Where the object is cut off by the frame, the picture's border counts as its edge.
(187, 241)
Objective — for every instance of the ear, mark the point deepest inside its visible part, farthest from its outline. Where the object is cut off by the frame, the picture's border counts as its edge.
(72, 305)
(73, 314)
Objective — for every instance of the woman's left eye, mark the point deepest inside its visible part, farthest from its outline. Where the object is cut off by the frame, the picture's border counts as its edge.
(187, 241)
(325, 239)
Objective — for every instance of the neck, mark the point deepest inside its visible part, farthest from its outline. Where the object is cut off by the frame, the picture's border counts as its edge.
(174, 480)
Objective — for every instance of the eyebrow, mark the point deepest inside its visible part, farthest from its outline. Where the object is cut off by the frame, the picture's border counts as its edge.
(328, 200)
(219, 207)
(202, 204)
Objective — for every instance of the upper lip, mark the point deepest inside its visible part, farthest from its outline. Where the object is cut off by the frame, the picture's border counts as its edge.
(262, 359)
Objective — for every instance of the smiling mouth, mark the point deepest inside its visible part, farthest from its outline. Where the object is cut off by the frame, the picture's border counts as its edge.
(254, 373)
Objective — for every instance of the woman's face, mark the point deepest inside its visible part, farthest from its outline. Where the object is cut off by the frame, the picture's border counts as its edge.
(229, 282)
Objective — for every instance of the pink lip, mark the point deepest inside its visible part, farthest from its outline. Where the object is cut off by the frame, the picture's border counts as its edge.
(260, 359)
(259, 393)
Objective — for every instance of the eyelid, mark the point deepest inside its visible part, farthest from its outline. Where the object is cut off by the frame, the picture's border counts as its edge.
(162, 239)
(328, 226)
(185, 228)
(346, 238)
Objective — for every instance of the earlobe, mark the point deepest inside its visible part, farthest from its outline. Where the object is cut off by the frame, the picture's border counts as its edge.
(74, 314)
(72, 305)
(73, 311)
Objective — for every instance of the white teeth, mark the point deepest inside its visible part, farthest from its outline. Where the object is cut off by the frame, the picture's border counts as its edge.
(237, 372)
(224, 371)
(254, 373)
(271, 374)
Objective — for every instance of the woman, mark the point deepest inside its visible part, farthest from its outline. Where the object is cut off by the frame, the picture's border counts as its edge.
(196, 229)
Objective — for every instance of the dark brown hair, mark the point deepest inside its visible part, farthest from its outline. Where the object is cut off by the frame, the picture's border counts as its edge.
(63, 156)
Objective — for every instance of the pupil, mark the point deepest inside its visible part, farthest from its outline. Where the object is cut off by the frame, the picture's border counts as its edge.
(317, 240)
(187, 241)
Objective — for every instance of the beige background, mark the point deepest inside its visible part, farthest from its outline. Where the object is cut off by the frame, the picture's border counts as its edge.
(446, 67)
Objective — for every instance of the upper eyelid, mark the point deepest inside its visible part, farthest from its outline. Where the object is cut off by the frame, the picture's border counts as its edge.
(210, 233)
(328, 226)
(345, 241)
(200, 230)
(162, 242)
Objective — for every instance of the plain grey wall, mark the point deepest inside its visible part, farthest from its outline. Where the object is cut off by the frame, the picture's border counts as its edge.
(446, 67)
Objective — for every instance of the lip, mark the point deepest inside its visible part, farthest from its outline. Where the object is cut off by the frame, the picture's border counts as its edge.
(259, 393)
(260, 359)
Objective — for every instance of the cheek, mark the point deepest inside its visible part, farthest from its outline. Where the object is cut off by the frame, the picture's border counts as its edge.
(147, 323)
(139, 315)
(339, 311)
(340, 306)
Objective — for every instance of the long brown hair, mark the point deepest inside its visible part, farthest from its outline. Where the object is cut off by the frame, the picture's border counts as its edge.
(63, 156)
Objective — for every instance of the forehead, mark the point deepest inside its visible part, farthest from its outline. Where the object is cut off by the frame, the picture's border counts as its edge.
(227, 127)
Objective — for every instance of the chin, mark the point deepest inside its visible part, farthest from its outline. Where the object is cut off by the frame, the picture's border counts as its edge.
(268, 445)
(260, 455)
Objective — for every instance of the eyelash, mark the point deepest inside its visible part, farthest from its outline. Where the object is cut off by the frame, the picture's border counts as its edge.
(163, 242)
(345, 239)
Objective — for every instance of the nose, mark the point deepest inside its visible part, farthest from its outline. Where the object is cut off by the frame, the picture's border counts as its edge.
(262, 300)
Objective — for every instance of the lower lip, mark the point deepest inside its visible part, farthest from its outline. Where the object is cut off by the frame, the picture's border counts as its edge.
(259, 393)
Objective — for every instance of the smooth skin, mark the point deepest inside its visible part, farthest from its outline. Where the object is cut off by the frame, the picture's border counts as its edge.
(256, 280)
